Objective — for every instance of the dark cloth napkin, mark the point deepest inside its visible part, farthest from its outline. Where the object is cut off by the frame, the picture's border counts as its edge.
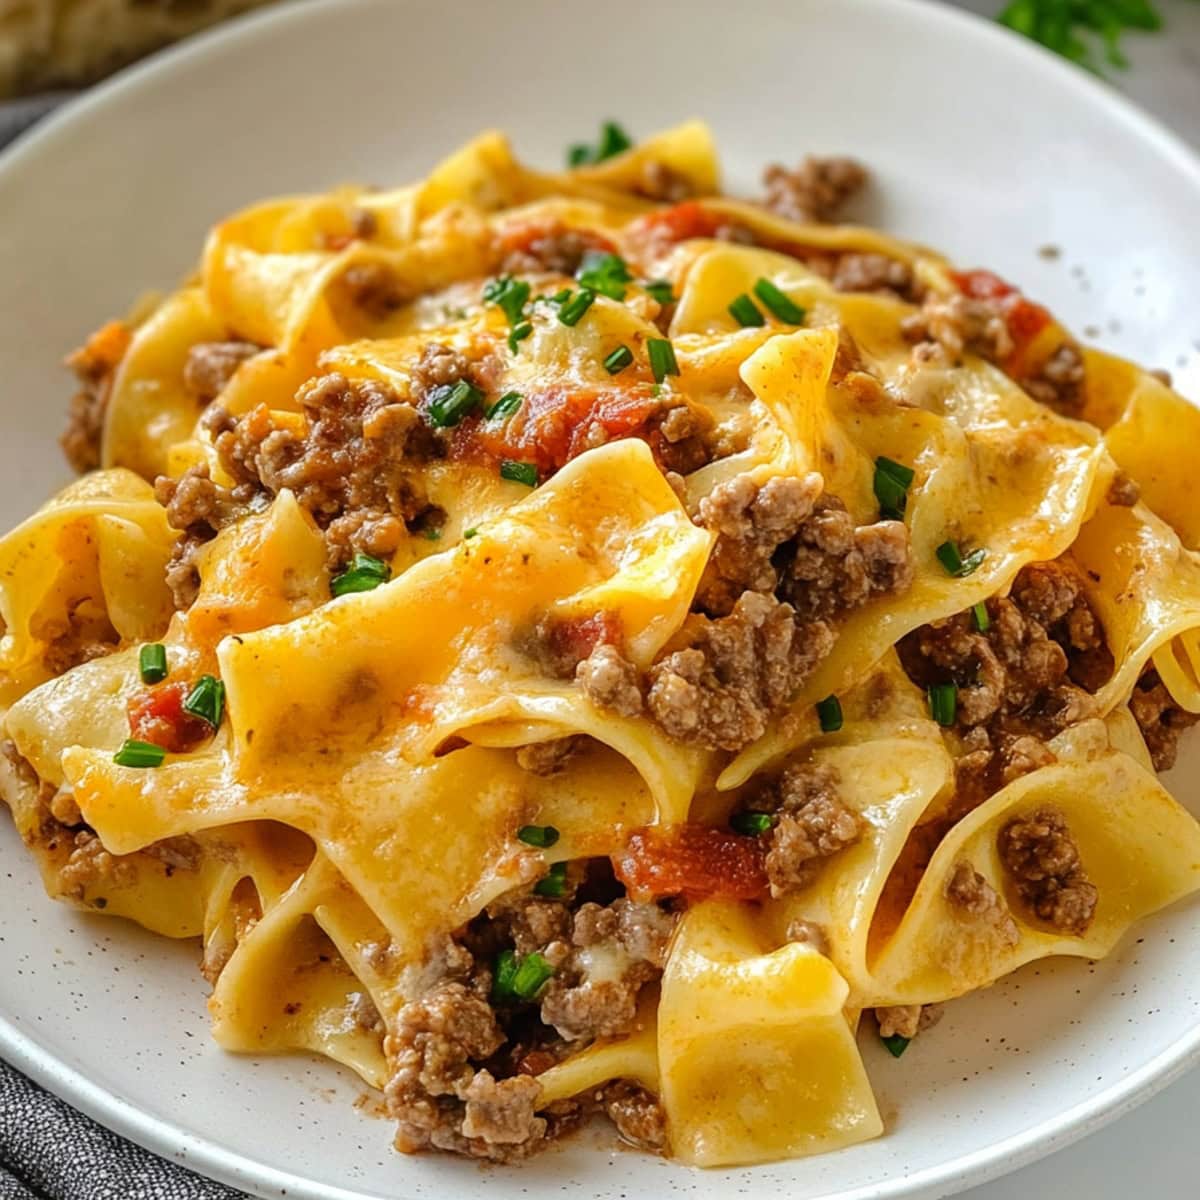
(48, 1151)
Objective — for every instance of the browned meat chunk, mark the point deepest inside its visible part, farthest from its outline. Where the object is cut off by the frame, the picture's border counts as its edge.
(610, 680)
(663, 183)
(816, 190)
(808, 933)
(907, 1020)
(813, 823)
(95, 363)
(1123, 491)
(875, 273)
(199, 508)
(548, 758)
(637, 1114)
(550, 247)
(832, 566)
(375, 289)
(751, 521)
(1026, 679)
(970, 892)
(438, 1094)
(1160, 719)
(350, 468)
(91, 865)
(211, 365)
(732, 673)
(1041, 856)
(1058, 383)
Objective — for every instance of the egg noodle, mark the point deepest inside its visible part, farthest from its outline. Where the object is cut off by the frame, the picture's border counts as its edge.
(605, 649)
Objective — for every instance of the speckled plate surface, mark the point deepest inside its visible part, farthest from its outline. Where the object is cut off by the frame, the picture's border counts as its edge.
(983, 146)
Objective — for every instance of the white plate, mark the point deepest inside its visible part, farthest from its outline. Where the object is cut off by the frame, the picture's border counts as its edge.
(984, 147)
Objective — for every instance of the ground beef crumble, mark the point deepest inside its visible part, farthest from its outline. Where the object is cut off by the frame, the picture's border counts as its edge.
(464, 1066)
(812, 824)
(350, 468)
(908, 1020)
(95, 363)
(211, 365)
(1029, 677)
(970, 893)
(1043, 860)
(1160, 719)
(816, 190)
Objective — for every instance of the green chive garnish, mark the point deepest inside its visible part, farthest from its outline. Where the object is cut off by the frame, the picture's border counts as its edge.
(363, 574)
(532, 973)
(892, 481)
(538, 835)
(518, 334)
(555, 883)
(896, 1045)
(503, 974)
(470, 533)
(451, 402)
(504, 407)
(604, 273)
(982, 620)
(519, 472)
(431, 533)
(139, 754)
(950, 558)
(829, 713)
(778, 303)
(613, 141)
(943, 703)
(618, 360)
(751, 824)
(571, 311)
(742, 309)
(510, 294)
(662, 358)
(206, 700)
(152, 663)
(660, 290)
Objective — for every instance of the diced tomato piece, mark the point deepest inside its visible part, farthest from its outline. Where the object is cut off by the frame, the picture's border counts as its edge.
(555, 425)
(573, 639)
(101, 353)
(695, 861)
(1024, 318)
(677, 224)
(982, 285)
(156, 715)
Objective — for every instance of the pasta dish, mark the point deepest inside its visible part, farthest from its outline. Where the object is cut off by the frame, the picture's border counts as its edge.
(576, 644)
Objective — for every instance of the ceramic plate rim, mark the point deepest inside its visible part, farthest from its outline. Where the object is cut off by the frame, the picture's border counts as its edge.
(208, 1157)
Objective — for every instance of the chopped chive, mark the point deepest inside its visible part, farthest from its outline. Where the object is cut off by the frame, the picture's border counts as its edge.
(152, 663)
(742, 309)
(470, 533)
(618, 360)
(363, 574)
(139, 754)
(662, 358)
(510, 294)
(778, 303)
(604, 273)
(829, 713)
(504, 407)
(503, 973)
(519, 472)
(571, 311)
(943, 703)
(892, 481)
(206, 700)
(558, 297)
(517, 334)
(950, 558)
(451, 402)
(982, 620)
(538, 835)
(555, 883)
(896, 1045)
(750, 823)
(613, 141)
(432, 533)
(661, 290)
(532, 973)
